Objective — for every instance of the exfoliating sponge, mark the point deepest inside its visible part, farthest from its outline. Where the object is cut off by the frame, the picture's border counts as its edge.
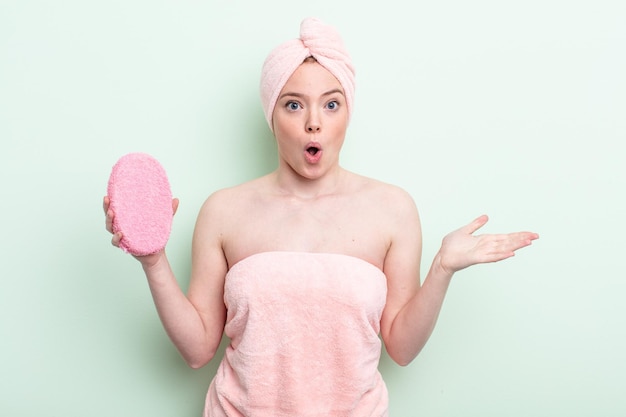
(141, 200)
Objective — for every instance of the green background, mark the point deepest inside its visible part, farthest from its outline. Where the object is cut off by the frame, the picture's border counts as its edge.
(514, 109)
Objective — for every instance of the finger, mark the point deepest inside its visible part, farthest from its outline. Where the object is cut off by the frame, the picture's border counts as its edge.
(175, 203)
(476, 224)
(507, 244)
(108, 214)
(524, 238)
(115, 240)
(108, 222)
(497, 257)
(494, 248)
(531, 235)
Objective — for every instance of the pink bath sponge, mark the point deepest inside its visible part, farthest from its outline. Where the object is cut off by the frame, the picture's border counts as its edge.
(141, 200)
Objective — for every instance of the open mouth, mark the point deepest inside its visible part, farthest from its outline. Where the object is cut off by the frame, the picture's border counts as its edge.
(313, 150)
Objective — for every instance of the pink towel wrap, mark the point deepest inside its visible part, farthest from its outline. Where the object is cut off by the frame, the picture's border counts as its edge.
(318, 40)
(304, 338)
(141, 200)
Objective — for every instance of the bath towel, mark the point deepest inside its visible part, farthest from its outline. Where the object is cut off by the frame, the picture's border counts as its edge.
(304, 338)
(141, 200)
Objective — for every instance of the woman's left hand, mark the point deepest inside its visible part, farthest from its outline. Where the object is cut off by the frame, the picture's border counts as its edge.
(462, 248)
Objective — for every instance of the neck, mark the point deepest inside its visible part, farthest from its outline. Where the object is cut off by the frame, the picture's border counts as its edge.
(289, 184)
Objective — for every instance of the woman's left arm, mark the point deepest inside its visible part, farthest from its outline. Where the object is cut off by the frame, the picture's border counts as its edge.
(412, 309)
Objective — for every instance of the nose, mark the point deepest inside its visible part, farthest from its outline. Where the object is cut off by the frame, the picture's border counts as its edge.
(313, 124)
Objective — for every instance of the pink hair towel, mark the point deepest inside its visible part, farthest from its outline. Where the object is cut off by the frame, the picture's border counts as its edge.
(318, 40)
(141, 200)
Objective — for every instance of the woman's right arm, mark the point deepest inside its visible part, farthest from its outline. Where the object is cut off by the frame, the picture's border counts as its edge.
(194, 322)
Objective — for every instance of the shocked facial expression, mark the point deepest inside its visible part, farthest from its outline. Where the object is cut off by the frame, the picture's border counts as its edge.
(310, 121)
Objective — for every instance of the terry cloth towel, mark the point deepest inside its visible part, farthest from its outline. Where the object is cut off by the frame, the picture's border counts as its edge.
(304, 338)
(318, 40)
(141, 200)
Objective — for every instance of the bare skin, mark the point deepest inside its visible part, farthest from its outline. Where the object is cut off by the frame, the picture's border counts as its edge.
(311, 204)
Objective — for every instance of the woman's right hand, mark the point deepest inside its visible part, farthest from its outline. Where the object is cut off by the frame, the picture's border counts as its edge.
(146, 260)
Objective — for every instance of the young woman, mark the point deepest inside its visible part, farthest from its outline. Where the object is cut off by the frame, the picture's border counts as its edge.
(305, 267)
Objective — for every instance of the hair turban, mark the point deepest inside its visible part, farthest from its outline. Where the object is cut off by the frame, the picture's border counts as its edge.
(318, 40)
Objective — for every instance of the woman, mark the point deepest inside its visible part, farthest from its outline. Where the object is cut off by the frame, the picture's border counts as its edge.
(304, 268)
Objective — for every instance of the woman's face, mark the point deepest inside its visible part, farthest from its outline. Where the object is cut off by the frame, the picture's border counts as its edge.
(310, 121)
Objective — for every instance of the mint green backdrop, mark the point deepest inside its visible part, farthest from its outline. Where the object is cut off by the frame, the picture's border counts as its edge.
(514, 109)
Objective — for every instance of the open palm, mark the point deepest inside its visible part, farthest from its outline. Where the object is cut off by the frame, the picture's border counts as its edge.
(461, 248)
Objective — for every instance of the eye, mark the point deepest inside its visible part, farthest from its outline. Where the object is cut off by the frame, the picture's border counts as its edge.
(332, 105)
(292, 105)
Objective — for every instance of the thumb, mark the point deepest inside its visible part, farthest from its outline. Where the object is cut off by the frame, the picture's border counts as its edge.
(476, 224)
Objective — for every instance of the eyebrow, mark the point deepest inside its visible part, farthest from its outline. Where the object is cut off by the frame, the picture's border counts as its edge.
(328, 93)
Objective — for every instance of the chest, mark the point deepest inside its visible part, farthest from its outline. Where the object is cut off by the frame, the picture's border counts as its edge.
(334, 225)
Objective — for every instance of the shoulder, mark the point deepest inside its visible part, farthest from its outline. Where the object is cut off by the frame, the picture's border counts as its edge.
(395, 212)
(220, 212)
(390, 209)
(238, 197)
(389, 197)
